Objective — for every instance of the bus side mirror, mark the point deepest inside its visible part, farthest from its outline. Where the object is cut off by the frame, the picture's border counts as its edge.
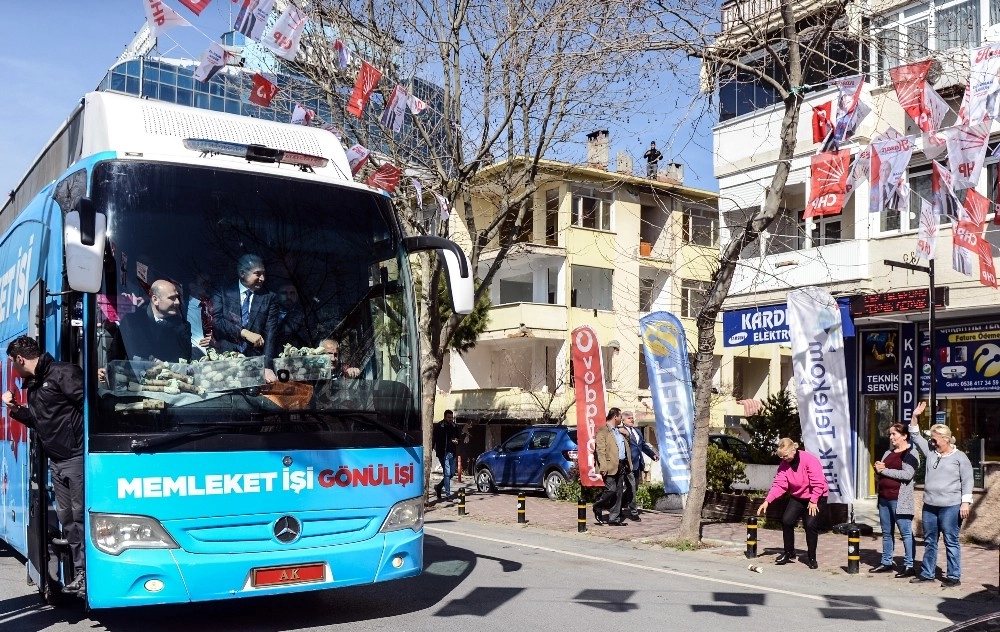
(459, 272)
(84, 233)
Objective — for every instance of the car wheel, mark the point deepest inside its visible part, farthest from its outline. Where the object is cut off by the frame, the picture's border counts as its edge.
(485, 482)
(552, 482)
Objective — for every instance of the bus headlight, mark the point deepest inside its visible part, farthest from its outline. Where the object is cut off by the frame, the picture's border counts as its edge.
(406, 514)
(114, 533)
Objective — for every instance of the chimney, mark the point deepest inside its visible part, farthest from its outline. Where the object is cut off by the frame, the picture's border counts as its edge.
(674, 172)
(598, 149)
(624, 164)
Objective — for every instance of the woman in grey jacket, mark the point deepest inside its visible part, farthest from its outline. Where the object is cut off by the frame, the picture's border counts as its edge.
(947, 498)
(895, 499)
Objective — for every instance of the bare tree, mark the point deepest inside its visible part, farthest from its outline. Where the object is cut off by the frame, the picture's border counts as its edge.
(507, 83)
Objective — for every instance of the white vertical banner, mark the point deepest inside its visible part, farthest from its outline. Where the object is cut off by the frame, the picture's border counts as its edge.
(817, 336)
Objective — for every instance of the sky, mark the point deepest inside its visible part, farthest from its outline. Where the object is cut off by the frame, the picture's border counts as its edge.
(52, 52)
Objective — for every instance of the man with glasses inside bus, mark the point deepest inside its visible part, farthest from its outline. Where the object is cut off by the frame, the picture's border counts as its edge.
(54, 410)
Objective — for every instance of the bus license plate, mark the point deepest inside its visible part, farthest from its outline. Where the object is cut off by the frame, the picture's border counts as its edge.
(280, 575)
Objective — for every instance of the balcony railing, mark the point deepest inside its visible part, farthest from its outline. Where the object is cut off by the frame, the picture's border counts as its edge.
(541, 319)
(833, 263)
(739, 12)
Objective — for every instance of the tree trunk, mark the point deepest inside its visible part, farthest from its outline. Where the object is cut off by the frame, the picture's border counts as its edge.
(702, 374)
(430, 360)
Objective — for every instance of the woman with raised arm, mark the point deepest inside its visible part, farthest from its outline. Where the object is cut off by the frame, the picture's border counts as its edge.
(894, 473)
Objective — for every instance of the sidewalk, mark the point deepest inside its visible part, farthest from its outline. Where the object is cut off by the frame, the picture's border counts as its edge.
(979, 564)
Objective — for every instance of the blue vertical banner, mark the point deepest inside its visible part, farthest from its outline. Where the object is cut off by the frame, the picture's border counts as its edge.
(665, 348)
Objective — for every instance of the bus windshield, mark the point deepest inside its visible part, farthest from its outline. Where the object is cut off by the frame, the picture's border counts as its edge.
(240, 309)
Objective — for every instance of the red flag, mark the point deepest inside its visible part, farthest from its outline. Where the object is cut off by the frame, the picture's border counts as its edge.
(367, 79)
(196, 6)
(386, 177)
(987, 273)
(588, 378)
(908, 82)
(977, 207)
(263, 90)
(822, 121)
(828, 183)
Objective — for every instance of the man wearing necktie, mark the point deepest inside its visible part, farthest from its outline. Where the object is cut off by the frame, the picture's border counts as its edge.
(245, 316)
(613, 462)
(637, 447)
(156, 331)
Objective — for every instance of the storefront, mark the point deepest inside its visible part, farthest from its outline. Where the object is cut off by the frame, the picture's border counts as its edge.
(896, 363)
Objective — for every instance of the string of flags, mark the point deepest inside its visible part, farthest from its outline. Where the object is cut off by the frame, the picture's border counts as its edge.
(283, 39)
(957, 154)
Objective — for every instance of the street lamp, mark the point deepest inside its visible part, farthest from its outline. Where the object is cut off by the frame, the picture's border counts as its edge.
(929, 270)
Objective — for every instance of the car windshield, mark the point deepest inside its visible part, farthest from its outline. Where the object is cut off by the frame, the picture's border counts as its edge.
(271, 304)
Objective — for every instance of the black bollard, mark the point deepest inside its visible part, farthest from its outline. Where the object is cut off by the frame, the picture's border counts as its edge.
(521, 519)
(853, 551)
(461, 501)
(751, 538)
(581, 517)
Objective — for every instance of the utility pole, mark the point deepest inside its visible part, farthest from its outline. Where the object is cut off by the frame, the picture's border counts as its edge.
(929, 271)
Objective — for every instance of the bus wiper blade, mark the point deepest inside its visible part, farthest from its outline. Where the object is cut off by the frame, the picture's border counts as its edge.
(366, 418)
(142, 445)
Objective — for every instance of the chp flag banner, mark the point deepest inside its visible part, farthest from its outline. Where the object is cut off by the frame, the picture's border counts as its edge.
(967, 153)
(817, 335)
(161, 18)
(392, 117)
(368, 78)
(588, 380)
(262, 91)
(283, 40)
(927, 232)
(665, 348)
(252, 18)
(357, 155)
(196, 6)
(386, 177)
(212, 61)
(828, 183)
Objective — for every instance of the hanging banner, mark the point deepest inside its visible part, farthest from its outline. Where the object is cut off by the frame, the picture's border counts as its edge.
(356, 157)
(827, 183)
(860, 171)
(588, 380)
(368, 78)
(212, 61)
(283, 40)
(964, 244)
(927, 232)
(893, 158)
(392, 117)
(975, 209)
(817, 337)
(386, 177)
(987, 273)
(196, 6)
(161, 18)
(416, 105)
(822, 122)
(981, 100)
(966, 153)
(942, 197)
(848, 116)
(343, 54)
(302, 115)
(263, 91)
(252, 18)
(666, 352)
(908, 82)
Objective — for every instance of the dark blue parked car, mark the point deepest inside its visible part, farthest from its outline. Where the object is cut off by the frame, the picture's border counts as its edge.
(539, 457)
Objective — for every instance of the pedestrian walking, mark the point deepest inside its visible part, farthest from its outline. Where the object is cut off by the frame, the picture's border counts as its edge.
(801, 476)
(445, 440)
(947, 498)
(613, 461)
(894, 473)
(638, 448)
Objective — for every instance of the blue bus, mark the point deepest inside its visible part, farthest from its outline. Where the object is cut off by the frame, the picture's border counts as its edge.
(214, 473)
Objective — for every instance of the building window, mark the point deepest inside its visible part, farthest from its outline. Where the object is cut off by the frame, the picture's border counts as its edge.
(905, 36)
(591, 288)
(646, 294)
(824, 231)
(592, 208)
(701, 226)
(694, 294)
(509, 223)
(552, 217)
(783, 233)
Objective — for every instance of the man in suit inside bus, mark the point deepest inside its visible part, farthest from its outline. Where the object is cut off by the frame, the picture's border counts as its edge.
(156, 331)
(245, 315)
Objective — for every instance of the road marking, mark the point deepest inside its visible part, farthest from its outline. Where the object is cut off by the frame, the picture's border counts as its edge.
(665, 571)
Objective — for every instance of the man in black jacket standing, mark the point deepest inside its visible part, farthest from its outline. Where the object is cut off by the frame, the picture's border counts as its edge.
(54, 410)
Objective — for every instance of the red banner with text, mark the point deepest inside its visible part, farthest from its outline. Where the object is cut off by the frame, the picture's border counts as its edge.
(588, 379)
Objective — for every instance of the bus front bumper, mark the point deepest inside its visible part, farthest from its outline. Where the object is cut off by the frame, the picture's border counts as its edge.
(160, 576)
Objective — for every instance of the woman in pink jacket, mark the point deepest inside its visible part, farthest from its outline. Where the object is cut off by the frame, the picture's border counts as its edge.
(802, 477)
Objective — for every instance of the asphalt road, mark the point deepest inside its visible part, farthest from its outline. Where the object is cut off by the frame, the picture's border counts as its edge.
(502, 577)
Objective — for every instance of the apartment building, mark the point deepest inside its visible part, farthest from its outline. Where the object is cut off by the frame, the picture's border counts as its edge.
(885, 307)
(598, 248)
